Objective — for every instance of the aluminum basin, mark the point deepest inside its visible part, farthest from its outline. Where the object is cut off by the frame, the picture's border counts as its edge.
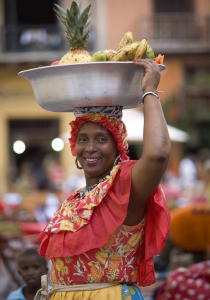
(61, 88)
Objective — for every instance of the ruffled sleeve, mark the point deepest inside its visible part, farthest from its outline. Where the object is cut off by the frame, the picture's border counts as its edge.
(157, 222)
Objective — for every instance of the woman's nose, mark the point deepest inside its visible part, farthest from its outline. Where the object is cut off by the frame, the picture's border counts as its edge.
(90, 146)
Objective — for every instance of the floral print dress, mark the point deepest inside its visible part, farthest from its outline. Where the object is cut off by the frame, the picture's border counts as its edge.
(116, 261)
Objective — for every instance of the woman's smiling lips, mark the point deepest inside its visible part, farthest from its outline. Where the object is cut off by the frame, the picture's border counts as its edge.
(91, 160)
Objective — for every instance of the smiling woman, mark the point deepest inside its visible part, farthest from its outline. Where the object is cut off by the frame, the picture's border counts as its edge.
(103, 238)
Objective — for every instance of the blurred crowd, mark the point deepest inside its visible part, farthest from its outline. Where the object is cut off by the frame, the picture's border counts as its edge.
(191, 184)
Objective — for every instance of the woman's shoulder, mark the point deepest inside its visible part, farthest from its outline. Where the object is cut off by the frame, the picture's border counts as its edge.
(126, 167)
(126, 164)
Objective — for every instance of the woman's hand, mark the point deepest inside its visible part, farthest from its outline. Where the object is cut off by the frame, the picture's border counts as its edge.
(151, 77)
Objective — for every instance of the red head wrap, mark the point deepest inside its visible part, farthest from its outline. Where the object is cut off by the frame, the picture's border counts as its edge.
(113, 124)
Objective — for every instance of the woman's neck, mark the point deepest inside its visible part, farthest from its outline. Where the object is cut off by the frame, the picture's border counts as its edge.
(90, 181)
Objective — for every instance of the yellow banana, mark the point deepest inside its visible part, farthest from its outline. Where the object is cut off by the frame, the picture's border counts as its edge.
(142, 48)
(128, 50)
(109, 53)
(126, 39)
(126, 53)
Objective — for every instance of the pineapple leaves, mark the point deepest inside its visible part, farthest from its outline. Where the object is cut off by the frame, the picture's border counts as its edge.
(85, 14)
(59, 8)
(70, 19)
(76, 24)
(75, 9)
(60, 13)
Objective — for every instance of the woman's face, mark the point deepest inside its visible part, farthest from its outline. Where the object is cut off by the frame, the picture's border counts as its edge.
(96, 150)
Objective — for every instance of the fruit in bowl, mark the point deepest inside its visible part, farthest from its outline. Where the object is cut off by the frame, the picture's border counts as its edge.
(76, 20)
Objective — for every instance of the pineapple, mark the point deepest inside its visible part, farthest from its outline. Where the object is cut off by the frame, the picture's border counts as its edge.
(77, 33)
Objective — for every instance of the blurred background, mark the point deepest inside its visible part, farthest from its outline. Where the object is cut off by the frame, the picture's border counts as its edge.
(37, 171)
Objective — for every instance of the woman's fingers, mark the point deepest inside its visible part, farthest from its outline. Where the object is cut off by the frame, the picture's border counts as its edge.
(151, 75)
(147, 63)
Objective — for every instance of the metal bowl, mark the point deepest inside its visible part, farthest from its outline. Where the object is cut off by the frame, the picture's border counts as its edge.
(61, 88)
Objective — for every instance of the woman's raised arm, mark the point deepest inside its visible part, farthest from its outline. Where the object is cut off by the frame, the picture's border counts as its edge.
(148, 171)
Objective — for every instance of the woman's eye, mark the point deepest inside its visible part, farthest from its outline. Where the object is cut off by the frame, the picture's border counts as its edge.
(101, 139)
(82, 139)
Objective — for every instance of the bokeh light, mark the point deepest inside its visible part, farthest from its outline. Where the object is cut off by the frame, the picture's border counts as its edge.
(19, 147)
(57, 144)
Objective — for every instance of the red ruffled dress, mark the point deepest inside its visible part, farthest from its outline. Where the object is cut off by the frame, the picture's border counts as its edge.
(87, 241)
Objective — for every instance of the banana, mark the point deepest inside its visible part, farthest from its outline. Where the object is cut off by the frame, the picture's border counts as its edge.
(109, 53)
(126, 39)
(128, 50)
(126, 53)
(142, 47)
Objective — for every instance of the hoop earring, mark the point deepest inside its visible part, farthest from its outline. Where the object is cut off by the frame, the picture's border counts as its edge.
(77, 164)
(117, 160)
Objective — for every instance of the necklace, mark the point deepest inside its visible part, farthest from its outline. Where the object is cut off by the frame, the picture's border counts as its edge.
(83, 191)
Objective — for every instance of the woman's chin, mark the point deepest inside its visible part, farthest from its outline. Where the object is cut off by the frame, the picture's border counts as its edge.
(93, 172)
(96, 171)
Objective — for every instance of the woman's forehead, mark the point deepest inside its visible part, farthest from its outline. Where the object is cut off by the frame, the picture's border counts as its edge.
(89, 127)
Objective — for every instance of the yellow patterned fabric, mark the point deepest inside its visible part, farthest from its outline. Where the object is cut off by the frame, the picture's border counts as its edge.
(116, 261)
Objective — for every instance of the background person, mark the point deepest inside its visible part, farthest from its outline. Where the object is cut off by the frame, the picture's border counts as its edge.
(31, 266)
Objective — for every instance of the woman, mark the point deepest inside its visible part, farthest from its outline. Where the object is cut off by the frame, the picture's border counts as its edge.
(103, 238)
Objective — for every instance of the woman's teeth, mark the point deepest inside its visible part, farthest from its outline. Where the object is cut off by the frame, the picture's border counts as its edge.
(91, 159)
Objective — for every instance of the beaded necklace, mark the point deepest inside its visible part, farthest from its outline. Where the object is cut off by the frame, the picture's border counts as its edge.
(82, 192)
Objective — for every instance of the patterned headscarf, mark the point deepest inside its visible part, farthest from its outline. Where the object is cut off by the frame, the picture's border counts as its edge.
(112, 111)
(107, 116)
